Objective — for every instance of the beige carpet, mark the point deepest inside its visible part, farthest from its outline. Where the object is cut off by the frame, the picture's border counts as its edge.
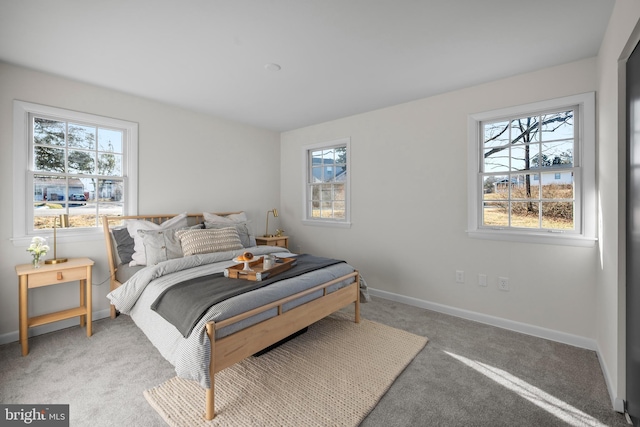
(333, 375)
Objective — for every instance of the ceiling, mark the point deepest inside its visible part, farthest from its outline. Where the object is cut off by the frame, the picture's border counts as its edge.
(337, 57)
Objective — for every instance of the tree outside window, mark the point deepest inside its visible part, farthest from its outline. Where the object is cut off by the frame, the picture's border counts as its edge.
(77, 170)
(515, 152)
(531, 172)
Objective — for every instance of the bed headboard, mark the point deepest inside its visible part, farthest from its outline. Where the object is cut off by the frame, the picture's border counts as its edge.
(108, 222)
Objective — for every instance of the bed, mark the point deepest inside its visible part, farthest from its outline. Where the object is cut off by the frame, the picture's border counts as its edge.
(230, 330)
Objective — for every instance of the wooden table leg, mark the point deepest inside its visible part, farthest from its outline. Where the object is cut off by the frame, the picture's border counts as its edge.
(83, 301)
(89, 300)
(23, 314)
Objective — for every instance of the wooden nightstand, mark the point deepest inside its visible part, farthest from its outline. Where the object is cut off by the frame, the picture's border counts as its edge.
(75, 269)
(282, 241)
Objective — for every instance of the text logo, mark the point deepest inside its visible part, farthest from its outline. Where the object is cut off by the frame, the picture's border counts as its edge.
(34, 415)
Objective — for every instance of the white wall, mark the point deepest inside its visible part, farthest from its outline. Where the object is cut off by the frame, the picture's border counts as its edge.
(187, 162)
(409, 209)
(621, 36)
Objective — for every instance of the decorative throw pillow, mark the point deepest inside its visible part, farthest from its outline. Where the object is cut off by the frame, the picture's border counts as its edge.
(243, 230)
(124, 244)
(139, 256)
(237, 218)
(162, 245)
(209, 240)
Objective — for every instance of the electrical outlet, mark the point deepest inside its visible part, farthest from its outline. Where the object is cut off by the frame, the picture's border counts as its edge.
(482, 280)
(459, 276)
(503, 283)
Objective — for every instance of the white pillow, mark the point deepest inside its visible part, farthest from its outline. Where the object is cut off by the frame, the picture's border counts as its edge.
(236, 217)
(139, 257)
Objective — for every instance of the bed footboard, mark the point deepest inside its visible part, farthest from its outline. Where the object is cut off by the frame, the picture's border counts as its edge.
(246, 342)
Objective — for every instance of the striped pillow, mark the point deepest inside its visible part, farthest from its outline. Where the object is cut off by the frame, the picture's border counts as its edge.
(211, 240)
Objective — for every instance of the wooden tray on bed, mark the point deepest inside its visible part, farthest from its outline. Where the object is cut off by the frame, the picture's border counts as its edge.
(257, 272)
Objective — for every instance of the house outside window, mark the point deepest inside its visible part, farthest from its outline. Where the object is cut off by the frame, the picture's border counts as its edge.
(71, 163)
(327, 184)
(531, 172)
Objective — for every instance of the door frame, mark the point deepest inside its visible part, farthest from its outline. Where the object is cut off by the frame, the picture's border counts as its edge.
(623, 126)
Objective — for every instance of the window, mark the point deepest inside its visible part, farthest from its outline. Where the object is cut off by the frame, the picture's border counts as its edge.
(327, 183)
(531, 172)
(71, 163)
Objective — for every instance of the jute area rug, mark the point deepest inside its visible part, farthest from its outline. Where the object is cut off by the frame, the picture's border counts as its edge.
(332, 375)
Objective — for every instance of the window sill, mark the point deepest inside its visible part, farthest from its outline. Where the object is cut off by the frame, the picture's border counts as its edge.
(542, 238)
(321, 223)
(66, 236)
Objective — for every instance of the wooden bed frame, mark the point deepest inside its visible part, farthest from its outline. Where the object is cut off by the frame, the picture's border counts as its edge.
(246, 342)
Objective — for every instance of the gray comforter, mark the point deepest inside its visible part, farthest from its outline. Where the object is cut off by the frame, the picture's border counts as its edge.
(190, 356)
(185, 303)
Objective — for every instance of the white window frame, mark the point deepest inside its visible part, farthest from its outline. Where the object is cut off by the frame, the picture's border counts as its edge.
(23, 231)
(585, 187)
(326, 222)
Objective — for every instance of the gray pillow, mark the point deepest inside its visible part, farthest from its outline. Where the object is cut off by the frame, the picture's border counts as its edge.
(162, 245)
(243, 230)
(124, 244)
(133, 226)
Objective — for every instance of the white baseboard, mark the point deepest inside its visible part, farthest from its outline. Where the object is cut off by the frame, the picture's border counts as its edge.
(51, 327)
(616, 402)
(536, 331)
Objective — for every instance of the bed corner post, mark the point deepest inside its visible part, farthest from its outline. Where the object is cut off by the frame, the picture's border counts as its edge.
(210, 398)
(357, 303)
(111, 261)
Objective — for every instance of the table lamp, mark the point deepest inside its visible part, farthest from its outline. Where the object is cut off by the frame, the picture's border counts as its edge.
(275, 215)
(64, 222)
